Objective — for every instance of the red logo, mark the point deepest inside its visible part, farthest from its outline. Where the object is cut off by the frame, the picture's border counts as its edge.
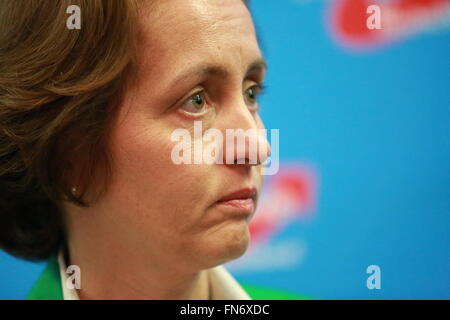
(399, 18)
(289, 195)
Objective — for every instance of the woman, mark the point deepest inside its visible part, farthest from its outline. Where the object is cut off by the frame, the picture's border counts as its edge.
(86, 117)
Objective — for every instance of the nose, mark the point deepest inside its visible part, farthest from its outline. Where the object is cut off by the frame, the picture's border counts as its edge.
(245, 141)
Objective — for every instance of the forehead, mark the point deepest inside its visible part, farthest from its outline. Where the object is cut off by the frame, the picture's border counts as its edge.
(176, 33)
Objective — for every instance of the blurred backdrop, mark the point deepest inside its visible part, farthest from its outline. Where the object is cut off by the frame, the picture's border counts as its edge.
(364, 180)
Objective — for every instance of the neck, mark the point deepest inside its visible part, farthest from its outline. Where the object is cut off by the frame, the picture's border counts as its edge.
(109, 271)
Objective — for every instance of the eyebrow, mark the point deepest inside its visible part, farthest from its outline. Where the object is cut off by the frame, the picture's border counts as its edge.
(258, 65)
(199, 72)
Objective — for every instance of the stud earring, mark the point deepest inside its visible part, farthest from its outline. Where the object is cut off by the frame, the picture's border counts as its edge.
(75, 192)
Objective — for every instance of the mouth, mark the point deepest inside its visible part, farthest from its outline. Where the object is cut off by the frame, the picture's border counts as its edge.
(241, 201)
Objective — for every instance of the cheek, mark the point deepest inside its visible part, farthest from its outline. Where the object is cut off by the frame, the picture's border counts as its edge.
(148, 180)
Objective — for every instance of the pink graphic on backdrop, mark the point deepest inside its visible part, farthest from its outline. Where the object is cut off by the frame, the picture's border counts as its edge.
(399, 19)
(288, 196)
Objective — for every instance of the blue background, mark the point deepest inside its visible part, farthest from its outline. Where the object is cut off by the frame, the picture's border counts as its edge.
(375, 125)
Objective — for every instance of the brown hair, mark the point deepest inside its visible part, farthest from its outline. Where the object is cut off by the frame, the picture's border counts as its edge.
(56, 91)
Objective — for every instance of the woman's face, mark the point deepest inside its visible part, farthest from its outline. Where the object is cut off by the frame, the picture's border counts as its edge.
(197, 60)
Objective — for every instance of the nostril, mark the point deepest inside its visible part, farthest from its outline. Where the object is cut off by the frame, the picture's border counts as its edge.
(247, 161)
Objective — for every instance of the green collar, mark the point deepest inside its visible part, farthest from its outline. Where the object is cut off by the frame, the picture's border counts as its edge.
(48, 286)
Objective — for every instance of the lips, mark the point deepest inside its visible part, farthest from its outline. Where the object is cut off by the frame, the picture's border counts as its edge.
(240, 201)
(245, 193)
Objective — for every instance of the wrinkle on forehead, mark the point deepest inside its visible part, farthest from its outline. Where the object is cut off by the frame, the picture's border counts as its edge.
(205, 17)
(189, 30)
(177, 34)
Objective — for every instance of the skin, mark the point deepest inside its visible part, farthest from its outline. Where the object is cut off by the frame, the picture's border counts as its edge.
(157, 228)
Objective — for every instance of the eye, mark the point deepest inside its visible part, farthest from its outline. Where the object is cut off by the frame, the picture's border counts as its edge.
(195, 104)
(252, 93)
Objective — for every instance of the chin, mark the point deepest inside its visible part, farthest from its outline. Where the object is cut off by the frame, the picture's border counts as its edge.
(225, 244)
